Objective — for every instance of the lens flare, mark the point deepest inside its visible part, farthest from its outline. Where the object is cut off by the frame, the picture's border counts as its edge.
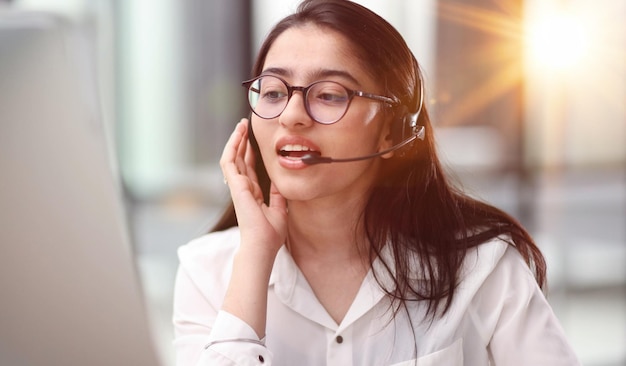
(557, 41)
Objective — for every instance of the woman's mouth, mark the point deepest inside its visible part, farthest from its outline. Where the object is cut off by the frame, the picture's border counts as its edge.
(296, 151)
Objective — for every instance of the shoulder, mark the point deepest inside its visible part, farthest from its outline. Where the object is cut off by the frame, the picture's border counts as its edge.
(510, 272)
(509, 311)
(495, 276)
(217, 243)
(495, 265)
(209, 258)
(489, 256)
(492, 275)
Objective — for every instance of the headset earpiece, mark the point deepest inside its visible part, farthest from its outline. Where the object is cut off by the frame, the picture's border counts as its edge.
(404, 125)
(398, 125)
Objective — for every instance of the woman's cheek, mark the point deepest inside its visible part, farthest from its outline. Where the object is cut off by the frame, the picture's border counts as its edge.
(370, 113)
(261, 136)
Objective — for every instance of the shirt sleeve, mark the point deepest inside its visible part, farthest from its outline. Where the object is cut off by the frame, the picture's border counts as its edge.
(234, 342)
(199, 323)
(524, 329)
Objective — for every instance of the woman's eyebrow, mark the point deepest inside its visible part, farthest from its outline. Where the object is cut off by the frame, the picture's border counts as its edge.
(324, 73)
(314, 75)
(276, 71)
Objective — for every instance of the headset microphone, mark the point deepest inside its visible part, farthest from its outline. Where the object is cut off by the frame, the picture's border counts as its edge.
(311, 159)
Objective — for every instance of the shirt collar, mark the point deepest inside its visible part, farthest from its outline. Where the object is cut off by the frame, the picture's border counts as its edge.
(293, 290)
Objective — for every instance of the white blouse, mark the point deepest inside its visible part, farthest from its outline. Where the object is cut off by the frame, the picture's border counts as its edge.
(499, 316)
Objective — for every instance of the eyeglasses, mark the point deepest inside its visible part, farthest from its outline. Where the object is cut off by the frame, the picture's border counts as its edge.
(325, 102)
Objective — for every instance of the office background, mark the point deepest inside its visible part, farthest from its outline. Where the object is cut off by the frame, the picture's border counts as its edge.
(527, 98)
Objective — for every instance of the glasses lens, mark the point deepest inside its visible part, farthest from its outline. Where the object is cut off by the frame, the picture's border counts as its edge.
(328, 101)
(268, 96)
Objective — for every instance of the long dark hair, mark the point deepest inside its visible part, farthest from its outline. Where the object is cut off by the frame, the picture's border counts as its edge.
(413, 207)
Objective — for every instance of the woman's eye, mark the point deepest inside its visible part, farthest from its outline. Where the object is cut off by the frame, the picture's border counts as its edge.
(273, 94)
(332, 97)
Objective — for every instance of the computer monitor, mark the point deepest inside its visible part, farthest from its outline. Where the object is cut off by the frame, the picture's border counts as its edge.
(69, 289)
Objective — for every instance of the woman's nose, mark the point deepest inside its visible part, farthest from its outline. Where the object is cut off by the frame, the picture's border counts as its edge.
(295, 114)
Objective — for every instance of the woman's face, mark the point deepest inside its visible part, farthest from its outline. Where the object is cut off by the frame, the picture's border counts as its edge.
(301, 56)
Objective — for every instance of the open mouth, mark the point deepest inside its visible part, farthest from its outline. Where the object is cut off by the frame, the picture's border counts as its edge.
(295, 151)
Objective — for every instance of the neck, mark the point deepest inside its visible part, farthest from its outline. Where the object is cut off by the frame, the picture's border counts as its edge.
(326, 231)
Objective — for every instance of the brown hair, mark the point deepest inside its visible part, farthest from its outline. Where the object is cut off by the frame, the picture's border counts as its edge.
(413, 207)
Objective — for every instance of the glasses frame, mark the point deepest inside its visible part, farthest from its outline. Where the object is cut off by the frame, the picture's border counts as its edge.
(392, 102)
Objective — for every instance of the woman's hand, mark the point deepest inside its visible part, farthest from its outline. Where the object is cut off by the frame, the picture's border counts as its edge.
(261, 226)
(263, 230)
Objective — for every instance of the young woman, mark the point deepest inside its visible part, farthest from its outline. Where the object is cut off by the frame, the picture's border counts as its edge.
(378, 261)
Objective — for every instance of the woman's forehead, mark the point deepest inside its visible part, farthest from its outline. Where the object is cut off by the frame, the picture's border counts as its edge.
(313, 52)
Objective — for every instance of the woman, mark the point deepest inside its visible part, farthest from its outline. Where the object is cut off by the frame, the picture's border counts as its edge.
(378, 261)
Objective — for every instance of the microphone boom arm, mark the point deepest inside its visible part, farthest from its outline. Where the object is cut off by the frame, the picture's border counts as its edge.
(311, 159)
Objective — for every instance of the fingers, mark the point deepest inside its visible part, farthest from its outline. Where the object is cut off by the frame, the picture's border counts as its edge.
(232, 159)
(250, 160)
(242, 150)
(238, 165)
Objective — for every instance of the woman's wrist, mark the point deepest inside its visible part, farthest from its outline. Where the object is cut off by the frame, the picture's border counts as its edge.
(246, 297)
(258, 250)
(254, 262)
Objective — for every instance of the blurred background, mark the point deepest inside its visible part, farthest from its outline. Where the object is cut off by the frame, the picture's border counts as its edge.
(528, 99)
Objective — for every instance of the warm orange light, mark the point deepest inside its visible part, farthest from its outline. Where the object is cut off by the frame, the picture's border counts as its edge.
(556, 41)
(501, 54)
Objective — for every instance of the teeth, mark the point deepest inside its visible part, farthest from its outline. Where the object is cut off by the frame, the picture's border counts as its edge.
(295, 148)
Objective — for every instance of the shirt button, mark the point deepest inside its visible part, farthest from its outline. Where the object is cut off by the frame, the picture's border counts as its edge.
(261, 358)
(339, 339)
